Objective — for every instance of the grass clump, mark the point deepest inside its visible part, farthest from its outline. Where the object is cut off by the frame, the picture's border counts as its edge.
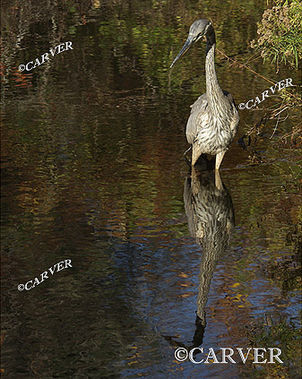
(280, 33)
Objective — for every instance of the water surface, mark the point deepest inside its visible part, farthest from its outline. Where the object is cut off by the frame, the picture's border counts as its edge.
(93, 171)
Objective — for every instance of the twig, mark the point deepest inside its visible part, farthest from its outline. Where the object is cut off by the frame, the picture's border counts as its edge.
(281, 111)
(275, 128)
(245, 66)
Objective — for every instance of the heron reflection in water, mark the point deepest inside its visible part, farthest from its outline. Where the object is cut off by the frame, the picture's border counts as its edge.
(214, 118)
(210, 214)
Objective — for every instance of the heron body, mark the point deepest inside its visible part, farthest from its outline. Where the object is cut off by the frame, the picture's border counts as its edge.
(214, 118)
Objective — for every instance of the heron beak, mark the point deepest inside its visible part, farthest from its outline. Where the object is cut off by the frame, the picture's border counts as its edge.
(185, 47)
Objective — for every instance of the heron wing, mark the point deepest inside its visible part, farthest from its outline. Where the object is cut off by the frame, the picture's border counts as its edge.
(198, 111)
(235, 117)
(229, 97)
(201, 117)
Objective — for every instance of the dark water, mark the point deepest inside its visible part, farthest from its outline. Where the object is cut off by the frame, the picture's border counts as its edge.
(93, 171)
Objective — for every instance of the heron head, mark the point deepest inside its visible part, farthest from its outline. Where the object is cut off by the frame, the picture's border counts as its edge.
(198, 29)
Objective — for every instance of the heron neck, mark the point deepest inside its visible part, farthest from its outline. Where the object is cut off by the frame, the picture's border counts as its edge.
(215, 96)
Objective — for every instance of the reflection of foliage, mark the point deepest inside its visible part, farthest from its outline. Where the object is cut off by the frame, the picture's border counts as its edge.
(98, 152)
(296, 236)
(287, 271)
(144, 34)
(286, 337)
(280, 32)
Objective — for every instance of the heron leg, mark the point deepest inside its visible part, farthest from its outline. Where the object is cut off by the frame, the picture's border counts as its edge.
(218, 182)
(196, 151)
(219, 158)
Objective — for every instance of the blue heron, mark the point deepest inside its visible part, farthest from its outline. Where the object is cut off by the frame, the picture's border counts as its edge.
(214, 118)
